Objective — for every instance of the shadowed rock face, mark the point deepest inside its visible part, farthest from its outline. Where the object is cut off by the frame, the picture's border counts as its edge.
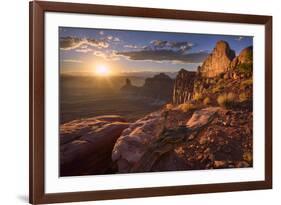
(159, 87)
(86, 145)
(183, 86)
(218, 61)
(129, 88)
(245, 57)
(205, 139)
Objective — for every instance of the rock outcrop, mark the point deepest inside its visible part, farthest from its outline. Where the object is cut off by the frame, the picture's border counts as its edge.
(128, 87)
(245, 57)
(173, 140)
(158, 87)
(86, 145)
(183, 86)
(219, 61)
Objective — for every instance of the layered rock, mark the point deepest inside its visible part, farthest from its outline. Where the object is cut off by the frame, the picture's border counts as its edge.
(172, 140)
(183, 86)
(219, 61)
(86, 145)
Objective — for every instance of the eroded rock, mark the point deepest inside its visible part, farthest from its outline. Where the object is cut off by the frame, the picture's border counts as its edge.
(199, 140)
(86, 145)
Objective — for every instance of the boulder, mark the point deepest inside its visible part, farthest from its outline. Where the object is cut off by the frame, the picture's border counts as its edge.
(209, 138)
(86, 145)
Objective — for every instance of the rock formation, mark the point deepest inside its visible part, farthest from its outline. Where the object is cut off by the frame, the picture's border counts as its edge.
(218, 61)
(245, 57)
(172, 140)
(158, 87)
(183, 86)
(128, 87)
(86, 145)
(207, 82)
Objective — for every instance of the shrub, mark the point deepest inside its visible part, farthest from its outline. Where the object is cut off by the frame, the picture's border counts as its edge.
(243, 97)
(247, 156)
(169, 106)
(226, 100)
(246, 83)
(187, 107)
(197, 96)
(207, 101)
(245, 68)
(217, 88)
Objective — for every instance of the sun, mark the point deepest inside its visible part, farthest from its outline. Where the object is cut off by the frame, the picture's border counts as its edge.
(102, 70)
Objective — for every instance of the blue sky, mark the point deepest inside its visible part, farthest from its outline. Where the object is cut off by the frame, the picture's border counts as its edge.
(82, 49)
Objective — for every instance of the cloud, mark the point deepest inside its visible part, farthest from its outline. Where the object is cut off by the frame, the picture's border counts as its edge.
(174, 45)
(159, 50)
(99, 54)
(69, 43)
(109, 37)
(165, 55)
(109, 55)
(72, 61)
(239, 38)
(116, 39)
(132, 46)
(84, 49)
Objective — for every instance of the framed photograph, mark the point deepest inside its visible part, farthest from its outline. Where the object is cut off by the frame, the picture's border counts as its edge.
(139, 102)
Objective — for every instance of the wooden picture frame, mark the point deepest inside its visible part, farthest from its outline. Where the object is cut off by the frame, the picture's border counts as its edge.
(38, 9)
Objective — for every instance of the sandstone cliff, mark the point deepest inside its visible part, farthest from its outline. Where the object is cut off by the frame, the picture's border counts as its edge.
(218, 61)
(183, 86)
(245, 57)
(158, 87)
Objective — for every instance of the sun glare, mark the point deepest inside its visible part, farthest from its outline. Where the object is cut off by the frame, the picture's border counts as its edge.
(102, 70)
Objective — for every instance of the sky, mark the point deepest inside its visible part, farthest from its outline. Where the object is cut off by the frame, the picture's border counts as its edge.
(123, 51)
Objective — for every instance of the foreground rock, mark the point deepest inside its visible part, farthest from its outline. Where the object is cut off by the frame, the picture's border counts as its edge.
(173, 140)
(86, 145)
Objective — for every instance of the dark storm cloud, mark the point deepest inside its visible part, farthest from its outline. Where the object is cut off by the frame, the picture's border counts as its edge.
(69, 43)
(165, 55)
(159, 50)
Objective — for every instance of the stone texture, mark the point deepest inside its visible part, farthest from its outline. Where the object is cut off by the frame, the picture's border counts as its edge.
(183, 86)
(86, 145)
(148, 145)
(218, 61)
(245, 56)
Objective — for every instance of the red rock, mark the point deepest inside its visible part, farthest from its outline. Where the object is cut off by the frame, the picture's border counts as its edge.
(86, 145)
(218, 61)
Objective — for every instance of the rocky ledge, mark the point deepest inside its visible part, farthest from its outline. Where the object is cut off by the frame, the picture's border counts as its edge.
(86, 145)
(169, 140)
